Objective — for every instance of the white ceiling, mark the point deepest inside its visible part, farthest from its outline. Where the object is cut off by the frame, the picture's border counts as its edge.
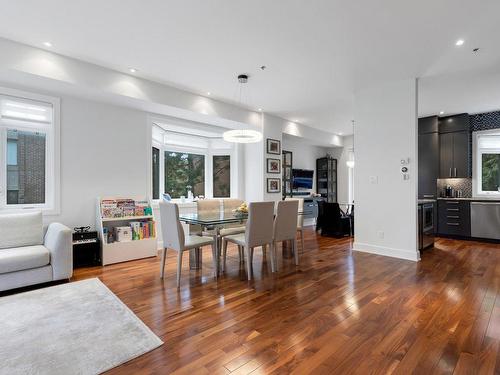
(317, 53)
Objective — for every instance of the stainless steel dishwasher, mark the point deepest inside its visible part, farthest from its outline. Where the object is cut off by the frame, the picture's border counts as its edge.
(485, 219)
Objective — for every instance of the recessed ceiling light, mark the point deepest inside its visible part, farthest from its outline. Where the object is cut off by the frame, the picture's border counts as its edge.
(441, 113)
(208, 93)
(47, 44)
(132, 70)
(340, 133)
(459, 42)
(260, 109)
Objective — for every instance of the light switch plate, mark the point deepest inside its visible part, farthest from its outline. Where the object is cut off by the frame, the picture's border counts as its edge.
(374, 180)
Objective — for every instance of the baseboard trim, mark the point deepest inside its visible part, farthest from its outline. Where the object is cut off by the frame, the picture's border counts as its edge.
(386, 251)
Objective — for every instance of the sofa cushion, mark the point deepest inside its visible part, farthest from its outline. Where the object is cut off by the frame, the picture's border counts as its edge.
(23, 258)
(23, 229)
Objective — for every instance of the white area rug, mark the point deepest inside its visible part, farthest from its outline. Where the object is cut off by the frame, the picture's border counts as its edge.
(75, 328)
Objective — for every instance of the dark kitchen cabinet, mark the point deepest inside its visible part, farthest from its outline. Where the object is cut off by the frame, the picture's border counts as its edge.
(454, 218)
(454, 147)
(428, 156)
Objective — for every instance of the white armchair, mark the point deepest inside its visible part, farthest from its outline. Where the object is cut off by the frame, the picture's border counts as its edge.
(27, 257)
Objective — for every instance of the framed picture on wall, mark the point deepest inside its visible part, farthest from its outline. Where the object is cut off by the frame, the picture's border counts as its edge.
(273, 146)
(273, 165)
(273, 185)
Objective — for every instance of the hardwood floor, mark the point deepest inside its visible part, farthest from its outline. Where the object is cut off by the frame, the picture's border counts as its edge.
(339, 312)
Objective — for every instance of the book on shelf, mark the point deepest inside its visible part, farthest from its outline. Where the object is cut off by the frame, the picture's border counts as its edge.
(124, 207)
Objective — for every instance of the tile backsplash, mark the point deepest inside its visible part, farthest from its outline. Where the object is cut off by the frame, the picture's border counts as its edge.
(464, 184)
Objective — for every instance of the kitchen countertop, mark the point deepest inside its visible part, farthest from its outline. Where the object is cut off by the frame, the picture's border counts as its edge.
(482, 199)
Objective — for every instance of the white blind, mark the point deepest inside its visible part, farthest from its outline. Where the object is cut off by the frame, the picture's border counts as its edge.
(13, 108)
(490, 141)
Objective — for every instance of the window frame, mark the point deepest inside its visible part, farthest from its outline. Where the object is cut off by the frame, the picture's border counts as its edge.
(52, 153)
(477, 163)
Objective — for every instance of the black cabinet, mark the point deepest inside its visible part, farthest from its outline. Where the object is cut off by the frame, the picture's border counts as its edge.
(428, 156)
(326, 178)
(454, 218)
(454, 147)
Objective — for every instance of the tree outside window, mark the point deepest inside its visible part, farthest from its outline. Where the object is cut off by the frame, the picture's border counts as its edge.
(490, 169)
(221, 176)
(183, 172)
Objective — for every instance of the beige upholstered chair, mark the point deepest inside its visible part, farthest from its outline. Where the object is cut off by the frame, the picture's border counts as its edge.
(208, 205)
(285, 225)
(230, 205)
(300, 219)
(259, 232)
(174, 238)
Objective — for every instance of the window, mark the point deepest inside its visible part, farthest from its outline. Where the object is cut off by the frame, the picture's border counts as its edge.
(28, 134)
(156, 173)
(487, 162)
(184, 172)
(221, 176)
(185, 159)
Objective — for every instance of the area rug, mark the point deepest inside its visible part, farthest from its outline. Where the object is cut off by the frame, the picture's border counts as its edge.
(75, 328)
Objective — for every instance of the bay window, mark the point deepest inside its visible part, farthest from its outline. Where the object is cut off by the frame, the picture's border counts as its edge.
(28, 138)
(186, 160)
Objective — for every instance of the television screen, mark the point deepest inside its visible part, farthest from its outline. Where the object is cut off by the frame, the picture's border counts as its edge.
(302, 178)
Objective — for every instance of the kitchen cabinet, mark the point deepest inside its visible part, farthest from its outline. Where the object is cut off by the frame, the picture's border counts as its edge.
(428, 156)
(454, 218)
(454, 147)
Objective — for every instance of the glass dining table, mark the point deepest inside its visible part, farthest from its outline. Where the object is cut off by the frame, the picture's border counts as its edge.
(215, 221)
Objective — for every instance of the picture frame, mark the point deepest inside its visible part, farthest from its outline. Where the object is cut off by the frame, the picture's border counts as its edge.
(273, 146)
(273, 165)
(273, 185)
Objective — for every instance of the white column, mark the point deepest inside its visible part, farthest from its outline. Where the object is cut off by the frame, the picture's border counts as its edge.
(386, 202)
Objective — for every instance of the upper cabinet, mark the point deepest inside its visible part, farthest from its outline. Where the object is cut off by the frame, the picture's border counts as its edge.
(428, 156)
(454, 146)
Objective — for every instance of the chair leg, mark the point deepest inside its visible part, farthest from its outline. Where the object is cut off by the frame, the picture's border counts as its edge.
(163, 258)
(273, 260)
(302, 239)
(224, 253)
(249, 261)
(240, 253)
(179, 267)
(295, 251)
(215, 259)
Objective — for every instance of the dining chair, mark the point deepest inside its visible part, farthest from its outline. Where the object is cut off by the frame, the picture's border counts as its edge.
(258, 232)
(208, 206)
(300, 219)
(285, 226)
(175, 239)
(229, 205)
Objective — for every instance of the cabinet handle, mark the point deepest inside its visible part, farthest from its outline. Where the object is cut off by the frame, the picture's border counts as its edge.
(452, 209)
(450, 171)
(455, 224)
(455, 172)
(452, 202)
(428, 195)
(453, 217)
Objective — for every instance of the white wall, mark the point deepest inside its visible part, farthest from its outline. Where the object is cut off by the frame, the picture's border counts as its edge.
(386, 205)
(304, 154)
(342, 155)
(272, 128)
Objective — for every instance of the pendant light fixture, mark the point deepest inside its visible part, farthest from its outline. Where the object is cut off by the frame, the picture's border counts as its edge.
(350, 161)
(242, 135)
